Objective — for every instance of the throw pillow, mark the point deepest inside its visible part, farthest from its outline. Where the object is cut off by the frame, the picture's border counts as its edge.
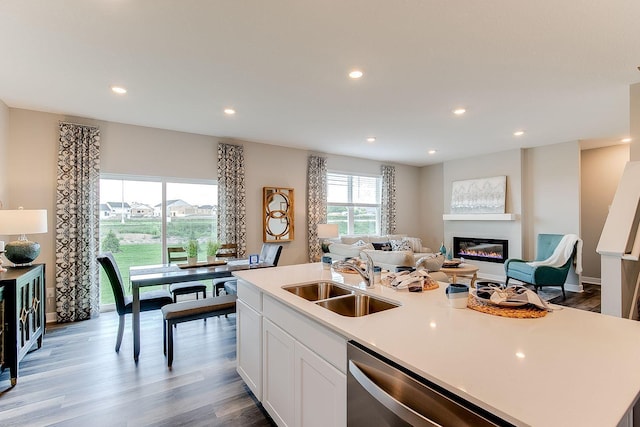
(386, 246)
(400, 245)
(360, 243)
(415, 243)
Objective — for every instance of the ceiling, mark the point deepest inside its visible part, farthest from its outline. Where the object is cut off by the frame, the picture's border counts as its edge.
(560, 71)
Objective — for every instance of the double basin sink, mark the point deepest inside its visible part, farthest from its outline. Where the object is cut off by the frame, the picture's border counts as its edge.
(340, 299)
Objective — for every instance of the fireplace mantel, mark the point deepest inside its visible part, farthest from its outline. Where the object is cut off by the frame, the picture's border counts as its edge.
(479, 217)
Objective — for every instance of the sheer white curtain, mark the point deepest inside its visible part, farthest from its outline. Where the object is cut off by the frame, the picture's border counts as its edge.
(232, 215)
(77, 221)
(388, 200)
(316, 202)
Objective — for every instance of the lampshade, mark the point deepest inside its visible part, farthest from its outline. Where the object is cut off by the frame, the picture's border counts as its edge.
(21, 222)
(327, 231)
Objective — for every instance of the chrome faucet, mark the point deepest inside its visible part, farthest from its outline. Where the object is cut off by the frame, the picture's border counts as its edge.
(366, 275)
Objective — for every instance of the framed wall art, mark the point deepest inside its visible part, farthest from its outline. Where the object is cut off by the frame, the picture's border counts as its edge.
(278, 214)
(473, 196)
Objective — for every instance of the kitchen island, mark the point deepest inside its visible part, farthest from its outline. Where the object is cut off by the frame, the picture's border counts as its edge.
(569, 368)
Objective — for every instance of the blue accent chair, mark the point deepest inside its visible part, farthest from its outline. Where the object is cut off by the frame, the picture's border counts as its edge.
(541, 275)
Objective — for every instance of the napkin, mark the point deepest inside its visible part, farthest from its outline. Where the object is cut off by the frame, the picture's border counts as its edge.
(413, 281)
(514, 293)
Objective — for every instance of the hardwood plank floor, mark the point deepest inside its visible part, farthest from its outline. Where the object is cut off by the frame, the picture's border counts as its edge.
(77, 379)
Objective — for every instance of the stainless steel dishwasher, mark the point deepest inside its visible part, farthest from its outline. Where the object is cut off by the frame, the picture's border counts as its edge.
(381, 393)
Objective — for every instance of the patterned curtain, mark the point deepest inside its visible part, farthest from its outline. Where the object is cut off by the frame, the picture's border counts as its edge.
(232, 215)
(316, 202)
(388, 202)
(77, 220)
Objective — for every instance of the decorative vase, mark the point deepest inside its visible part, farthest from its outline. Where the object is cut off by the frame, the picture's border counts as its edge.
(443, 249)
(450, 254)
(211, 259)
(192, 260)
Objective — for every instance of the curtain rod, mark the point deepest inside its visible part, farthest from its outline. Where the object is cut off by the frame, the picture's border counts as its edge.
(77, 124)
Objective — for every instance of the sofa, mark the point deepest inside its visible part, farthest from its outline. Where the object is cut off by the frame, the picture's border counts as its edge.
(386, 251)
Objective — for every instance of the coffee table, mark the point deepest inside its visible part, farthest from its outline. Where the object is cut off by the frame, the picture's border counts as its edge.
(462, 270)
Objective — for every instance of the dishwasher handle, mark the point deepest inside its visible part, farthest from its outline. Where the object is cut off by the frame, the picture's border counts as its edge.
(401, 410)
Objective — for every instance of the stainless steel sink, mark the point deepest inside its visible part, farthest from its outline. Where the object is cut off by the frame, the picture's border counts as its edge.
(317, 291)
(356, 305)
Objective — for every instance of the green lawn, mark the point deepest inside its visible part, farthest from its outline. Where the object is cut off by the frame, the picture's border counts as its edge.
(130, 255)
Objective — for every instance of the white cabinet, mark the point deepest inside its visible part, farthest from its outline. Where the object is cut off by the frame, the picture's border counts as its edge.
(320, 391)
(249, 347)
(278, 375)
(293, 365)
(299, 387)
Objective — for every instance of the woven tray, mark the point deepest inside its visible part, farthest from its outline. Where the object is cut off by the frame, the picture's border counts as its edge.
(524, 312)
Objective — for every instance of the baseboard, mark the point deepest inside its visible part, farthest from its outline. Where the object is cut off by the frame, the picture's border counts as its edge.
(51, 318)
(591, 280)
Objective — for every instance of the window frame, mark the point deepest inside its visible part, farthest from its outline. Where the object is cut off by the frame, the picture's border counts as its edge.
(352, 205)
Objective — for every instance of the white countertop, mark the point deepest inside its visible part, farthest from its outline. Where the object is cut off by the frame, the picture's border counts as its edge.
(569, 368)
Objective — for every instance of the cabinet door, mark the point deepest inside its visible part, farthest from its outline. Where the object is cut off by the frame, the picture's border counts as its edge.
(320, 391)
(249, 347)
(278, 374)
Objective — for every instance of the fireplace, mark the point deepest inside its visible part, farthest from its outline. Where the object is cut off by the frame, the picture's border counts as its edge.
(489, 250)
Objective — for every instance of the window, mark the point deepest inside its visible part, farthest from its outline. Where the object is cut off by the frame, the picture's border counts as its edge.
(136, 228)
(353, 202)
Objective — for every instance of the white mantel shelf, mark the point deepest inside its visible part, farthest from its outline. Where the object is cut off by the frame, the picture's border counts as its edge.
(480, 217)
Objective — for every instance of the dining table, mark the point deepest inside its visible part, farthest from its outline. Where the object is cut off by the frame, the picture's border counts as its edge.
(164, 274)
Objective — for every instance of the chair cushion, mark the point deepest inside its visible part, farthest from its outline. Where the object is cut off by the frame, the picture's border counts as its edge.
(187, 288)
(197, 307)
(151, 300)
(231, 287)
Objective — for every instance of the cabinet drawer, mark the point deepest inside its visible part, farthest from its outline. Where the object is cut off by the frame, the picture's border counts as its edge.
(324, 342)
(250, 295)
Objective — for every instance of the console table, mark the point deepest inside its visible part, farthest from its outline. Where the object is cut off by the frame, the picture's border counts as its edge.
(22, 307)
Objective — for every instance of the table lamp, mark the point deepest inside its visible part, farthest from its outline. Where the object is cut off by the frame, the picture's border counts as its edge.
(327, 231)
(22, 252)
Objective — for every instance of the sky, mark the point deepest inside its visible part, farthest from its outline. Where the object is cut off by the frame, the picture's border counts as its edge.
(150, 193)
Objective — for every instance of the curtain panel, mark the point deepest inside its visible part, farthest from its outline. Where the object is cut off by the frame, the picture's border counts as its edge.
(232, 215)
(77, 221)
(388, 200)
(316, 203)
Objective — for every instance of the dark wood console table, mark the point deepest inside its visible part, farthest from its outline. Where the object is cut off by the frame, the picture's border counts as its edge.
(22, 308)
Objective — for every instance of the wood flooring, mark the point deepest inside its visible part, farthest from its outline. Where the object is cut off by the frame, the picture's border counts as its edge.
(77, 379)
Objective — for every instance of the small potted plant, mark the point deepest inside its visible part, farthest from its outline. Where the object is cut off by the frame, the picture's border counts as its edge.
(212, 250)
(192, 251)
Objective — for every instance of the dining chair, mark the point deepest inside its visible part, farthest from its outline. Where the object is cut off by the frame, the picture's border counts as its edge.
(151, 300)
(269, 254)
(226, 250)
(177, 254)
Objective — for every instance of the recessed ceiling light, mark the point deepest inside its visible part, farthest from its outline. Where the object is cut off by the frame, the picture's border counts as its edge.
(432, 151)
(371, 139)
(520, 355)
(518, 133)
(459, 111)
(356, 74)
(626, 140)
(118, 89)
(229, 111)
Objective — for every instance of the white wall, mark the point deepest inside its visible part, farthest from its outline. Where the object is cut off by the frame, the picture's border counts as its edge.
(601, 169)
(508, 163)
(125, 149)
(552, 180)
(431, 197)
(4, 143)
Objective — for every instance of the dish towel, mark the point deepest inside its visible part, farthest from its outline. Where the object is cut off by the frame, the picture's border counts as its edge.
(562, 253)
